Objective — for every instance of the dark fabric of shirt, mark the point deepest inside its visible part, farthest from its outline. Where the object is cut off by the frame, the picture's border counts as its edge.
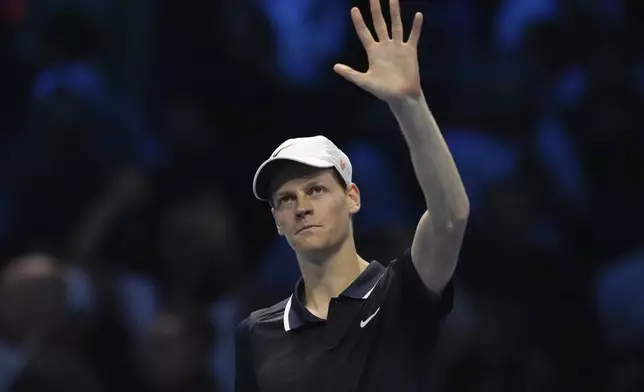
(378, 336)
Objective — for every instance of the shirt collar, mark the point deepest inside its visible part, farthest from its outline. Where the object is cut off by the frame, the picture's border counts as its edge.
(296, 314)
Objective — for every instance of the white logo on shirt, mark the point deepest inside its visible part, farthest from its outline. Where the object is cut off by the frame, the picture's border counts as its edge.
(364, 323)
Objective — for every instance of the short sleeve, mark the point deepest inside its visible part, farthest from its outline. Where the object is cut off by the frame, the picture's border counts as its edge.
(414, 295)
(245, 378)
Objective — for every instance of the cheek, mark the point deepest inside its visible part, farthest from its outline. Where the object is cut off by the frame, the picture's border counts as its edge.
(282, 220)
(340, 210)
(338, 213)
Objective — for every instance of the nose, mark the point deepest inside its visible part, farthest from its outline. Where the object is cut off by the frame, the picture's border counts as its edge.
(304, 207)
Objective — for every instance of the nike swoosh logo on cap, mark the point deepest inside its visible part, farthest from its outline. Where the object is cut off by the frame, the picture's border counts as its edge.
(363, 323)
(282, 149)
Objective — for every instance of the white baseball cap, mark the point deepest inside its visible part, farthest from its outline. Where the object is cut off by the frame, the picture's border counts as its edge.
(316, 151)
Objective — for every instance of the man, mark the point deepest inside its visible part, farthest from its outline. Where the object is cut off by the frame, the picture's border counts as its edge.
(352, 325)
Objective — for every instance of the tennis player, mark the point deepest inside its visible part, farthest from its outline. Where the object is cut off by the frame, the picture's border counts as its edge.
(350, 324)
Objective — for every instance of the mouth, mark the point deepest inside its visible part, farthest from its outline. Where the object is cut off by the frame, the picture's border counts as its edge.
(306, 228)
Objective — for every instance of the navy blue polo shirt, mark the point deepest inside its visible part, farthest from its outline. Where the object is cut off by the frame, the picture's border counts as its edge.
(378, 336)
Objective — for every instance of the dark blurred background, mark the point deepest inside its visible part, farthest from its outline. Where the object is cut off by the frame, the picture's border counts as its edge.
(131, 243)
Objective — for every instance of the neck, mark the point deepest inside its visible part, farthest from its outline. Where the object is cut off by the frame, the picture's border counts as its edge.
(328, 275)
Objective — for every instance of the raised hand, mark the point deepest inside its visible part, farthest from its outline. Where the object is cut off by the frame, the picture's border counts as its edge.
(393, 63)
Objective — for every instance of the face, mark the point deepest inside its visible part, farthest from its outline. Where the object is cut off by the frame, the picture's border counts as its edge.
(311, 208)
(32, 298)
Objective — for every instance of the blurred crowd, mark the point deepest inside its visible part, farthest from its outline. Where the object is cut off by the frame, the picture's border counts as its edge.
(131, 244)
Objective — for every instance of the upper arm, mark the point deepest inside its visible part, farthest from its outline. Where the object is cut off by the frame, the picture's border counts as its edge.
(435, 250)
(245, 378)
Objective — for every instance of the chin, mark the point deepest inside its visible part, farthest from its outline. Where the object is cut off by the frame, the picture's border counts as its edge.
(309, 244)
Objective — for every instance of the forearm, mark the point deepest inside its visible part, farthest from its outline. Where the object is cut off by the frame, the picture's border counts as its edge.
(433, 164)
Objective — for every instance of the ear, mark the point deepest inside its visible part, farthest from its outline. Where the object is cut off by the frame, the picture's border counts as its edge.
(279, 230)
(353, 194)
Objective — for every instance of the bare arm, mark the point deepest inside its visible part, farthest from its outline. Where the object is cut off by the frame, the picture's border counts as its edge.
(439, 234)
(394, 77)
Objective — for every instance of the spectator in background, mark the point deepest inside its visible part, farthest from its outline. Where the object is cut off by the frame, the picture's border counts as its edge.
(71, 144)
(33, 301)
(199, 248)
(173, 355)
(200, 262)
(56, 371)
(619, 299)
(37, 325)
(168, 233)
(301, 55)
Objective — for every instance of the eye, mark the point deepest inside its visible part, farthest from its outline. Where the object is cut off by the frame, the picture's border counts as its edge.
(284, 199)
(316, 190)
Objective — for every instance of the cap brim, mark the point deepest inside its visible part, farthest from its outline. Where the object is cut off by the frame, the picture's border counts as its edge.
(263, 176)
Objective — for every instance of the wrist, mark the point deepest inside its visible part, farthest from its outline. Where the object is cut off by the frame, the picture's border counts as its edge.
(407, 102)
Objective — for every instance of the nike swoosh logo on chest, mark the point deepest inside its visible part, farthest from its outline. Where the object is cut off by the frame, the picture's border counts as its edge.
(364, 323)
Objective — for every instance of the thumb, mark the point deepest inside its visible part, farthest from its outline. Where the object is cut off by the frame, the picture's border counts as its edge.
(349, 74)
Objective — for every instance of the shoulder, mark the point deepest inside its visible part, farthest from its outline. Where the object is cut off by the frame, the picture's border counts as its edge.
(272, 314)
(401, 264)
(404, 256)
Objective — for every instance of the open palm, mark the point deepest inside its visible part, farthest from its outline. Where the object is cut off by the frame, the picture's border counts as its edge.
(393, 63)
